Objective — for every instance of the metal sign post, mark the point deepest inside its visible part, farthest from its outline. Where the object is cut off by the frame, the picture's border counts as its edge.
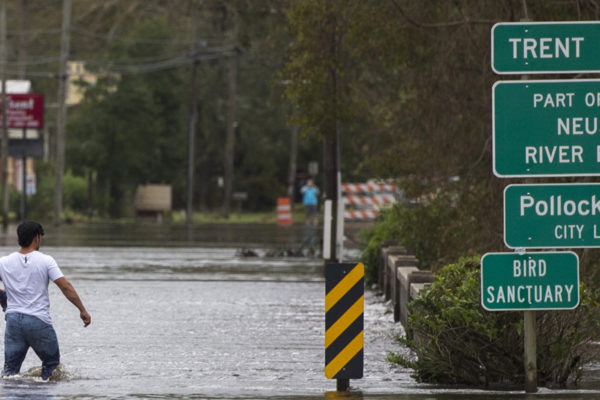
(529, 282)
(543, 129)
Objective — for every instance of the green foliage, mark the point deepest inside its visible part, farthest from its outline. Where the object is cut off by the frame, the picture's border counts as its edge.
(456, 341)
(40, 205)
(75, 192)
(448, 224)
(437, 228)
(386, 229)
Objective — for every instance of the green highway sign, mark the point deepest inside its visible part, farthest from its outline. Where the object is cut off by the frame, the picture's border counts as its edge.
(552, 215)
(545, 47)
(546, 128)
(530, 281)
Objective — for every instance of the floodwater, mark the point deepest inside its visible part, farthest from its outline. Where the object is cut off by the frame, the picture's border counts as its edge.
(176, 317)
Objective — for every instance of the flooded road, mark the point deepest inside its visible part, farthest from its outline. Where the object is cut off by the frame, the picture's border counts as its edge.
(202, 322)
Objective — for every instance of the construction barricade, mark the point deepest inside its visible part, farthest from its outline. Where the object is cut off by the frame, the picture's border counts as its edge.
(284, 211)
(363, 201)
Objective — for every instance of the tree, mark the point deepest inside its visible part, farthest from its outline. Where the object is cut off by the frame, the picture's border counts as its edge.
(129, 128)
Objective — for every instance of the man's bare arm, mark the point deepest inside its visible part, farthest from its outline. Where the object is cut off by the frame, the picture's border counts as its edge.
(71, 294)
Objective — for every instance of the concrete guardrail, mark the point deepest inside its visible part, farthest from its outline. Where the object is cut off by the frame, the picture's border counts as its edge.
(400, 278)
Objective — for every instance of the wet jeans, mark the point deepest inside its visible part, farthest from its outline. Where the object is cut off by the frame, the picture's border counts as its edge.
(24, 331)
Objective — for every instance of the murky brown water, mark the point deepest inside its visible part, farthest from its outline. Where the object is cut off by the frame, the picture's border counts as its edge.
(202, 322)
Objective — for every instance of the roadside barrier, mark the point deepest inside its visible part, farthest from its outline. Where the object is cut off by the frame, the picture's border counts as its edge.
(400, 279)
(368, 187)
(362, 201)
(284, 211)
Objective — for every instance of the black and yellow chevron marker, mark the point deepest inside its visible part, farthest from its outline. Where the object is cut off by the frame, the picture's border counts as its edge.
(344, 307)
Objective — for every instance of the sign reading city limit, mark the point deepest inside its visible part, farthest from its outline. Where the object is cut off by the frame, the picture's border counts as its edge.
(552, 215)
(545, 47)
(530, 281)
(546, 128)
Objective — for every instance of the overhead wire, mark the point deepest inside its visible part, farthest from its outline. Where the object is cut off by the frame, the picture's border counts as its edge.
(106, 37)
(210, 49)
(105, 67)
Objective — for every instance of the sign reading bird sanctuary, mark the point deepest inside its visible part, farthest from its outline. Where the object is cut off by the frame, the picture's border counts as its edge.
(530, 281)
(545, 47)
(552, 215)
(546, 128)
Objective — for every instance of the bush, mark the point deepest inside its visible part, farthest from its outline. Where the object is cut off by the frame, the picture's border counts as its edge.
(386, 229)
(437, 229)
(40, 206)
(457, 342)
(75, 192)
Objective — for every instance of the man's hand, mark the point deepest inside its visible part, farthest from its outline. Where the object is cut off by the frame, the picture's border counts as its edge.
(70, 293)
(86, 318)
(3, 300)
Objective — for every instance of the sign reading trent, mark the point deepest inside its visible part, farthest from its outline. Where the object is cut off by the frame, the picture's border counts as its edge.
(530, 281)
(546, 128)
(545, 47)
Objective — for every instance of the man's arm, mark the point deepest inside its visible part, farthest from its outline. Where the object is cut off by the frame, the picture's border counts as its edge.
(71, 294)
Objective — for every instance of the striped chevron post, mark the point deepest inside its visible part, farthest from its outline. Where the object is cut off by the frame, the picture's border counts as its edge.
(344, 321)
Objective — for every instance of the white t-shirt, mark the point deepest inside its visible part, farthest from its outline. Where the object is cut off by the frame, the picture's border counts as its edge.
(26, 278)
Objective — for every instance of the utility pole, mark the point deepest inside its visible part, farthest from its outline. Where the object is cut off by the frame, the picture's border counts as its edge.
(231, 125)
(23, 40)
(62, 112)
(193, 120)
(331, 151)
(293, 157)
(330, 171)
(191, 141)
(4, 155)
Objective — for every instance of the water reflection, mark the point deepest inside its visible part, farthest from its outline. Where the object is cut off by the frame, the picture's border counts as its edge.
(23, 388)
(344, 395)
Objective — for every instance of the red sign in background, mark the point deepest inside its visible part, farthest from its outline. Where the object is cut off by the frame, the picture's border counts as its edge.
(25, 111)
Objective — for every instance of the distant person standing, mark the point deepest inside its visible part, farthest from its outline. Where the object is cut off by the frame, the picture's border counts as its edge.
(26, 274)
(310, 200)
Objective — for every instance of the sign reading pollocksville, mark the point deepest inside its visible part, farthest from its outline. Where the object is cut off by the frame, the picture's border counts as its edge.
(552, 215)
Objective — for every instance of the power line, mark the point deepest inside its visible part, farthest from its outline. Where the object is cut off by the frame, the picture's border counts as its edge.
(203, 42)
(106, 67)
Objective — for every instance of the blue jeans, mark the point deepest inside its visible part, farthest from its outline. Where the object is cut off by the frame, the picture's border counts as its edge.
(24, 331)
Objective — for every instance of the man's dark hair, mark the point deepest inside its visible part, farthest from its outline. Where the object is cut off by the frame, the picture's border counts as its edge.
(27, 231)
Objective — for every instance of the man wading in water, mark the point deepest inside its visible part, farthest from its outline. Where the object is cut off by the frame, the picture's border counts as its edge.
(26, 274)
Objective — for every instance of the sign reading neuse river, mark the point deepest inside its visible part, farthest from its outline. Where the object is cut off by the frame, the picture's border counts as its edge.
(545, 47)
(546, 128)
(552, 215)
(529, 281)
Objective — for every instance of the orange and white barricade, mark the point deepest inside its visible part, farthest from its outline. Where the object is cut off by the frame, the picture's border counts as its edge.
(284, 211)
(363, 201)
